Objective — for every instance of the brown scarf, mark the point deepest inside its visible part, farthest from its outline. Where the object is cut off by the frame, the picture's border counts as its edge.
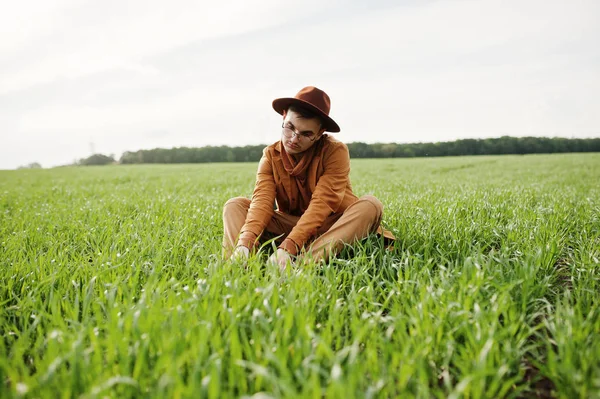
(298, 171)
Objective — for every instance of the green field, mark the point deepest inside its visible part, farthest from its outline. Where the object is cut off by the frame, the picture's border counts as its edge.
(111, 286)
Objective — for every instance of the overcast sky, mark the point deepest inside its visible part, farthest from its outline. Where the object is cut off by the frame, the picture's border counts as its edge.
(126, 75)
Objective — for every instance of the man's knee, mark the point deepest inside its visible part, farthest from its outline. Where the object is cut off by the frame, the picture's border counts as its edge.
(237, 202)
(372, 207)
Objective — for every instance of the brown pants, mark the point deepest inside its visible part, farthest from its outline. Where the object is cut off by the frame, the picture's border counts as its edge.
(355, 223)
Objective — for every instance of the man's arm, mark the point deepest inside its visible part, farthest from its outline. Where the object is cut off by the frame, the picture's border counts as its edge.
(327, 198)
(261, 205)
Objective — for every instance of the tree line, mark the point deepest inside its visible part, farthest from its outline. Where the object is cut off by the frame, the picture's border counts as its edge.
(491, 146)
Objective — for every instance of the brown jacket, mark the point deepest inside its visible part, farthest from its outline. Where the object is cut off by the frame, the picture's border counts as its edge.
(322, 189)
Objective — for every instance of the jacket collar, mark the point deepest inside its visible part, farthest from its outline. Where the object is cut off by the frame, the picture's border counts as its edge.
(277, 151)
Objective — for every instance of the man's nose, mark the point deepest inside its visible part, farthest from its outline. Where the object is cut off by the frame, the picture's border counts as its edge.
(295, 137)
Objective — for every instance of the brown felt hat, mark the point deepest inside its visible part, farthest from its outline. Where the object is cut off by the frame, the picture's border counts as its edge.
(312, 99)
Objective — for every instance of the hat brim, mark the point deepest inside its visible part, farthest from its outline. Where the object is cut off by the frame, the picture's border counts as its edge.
(281, 104)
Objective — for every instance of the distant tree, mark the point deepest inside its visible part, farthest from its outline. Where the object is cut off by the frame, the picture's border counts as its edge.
(96, 160)
(33, 165)
(491, 146)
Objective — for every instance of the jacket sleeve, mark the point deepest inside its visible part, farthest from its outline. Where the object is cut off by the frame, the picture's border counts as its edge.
(261, 205)
(326, 199)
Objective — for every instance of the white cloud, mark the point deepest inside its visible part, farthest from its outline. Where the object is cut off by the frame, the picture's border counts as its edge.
(77, 39)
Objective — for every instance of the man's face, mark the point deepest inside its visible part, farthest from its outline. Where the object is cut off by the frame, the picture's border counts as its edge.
(298, 133)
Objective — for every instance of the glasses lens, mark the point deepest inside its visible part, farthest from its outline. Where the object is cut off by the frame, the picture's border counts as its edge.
(288, 132)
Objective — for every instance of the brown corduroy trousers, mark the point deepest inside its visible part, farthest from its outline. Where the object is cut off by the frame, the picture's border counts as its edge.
(355, 223)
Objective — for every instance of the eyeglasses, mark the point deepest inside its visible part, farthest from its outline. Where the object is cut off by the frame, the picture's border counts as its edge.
(289, 131)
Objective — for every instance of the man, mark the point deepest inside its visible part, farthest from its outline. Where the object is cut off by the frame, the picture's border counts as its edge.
(306, 175)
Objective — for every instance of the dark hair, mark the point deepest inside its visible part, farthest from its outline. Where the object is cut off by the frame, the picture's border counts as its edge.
(305, 113)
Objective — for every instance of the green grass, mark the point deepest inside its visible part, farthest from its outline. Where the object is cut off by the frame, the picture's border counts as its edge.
(111, 285)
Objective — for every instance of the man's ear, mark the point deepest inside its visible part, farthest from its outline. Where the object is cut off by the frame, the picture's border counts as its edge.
(284, 113)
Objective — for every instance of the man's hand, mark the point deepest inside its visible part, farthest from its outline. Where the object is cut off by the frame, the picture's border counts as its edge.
(241, 253)
(281, 258)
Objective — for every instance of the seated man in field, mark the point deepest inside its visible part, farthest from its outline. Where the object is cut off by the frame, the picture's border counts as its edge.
(306, 174)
